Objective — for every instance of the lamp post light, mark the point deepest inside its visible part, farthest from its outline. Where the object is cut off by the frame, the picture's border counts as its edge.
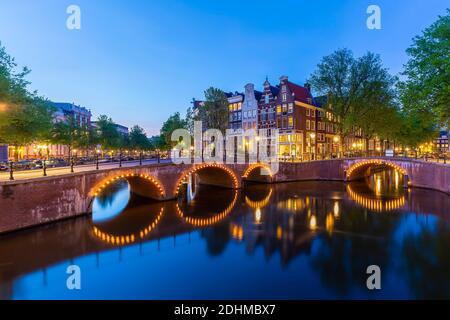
(140, 158)
(72, 162)
(120, 159)
(336, 142)
(192, 153)
(257, 148)
(97, 152)
(11, 170)
(313, 136)
(44, 167)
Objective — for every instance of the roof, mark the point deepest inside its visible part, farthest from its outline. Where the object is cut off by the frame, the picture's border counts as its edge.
(69, 107)
(301, 93)
(274, 90)
(258, 94)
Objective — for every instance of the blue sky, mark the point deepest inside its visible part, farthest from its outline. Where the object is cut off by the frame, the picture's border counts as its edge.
(139, 61)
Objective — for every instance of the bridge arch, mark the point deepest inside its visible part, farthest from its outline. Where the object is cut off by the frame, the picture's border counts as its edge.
(361, 169)
(128, 238)
(255, 173)
(208, 221)
(141, 184)
(210, 174)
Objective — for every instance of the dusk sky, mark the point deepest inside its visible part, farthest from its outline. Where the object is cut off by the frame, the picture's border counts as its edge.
(140, 61)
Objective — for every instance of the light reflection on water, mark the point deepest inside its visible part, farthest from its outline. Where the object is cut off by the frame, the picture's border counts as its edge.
(284, 241)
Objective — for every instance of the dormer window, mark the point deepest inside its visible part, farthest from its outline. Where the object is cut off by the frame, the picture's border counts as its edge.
(284, 96)
(266, 98)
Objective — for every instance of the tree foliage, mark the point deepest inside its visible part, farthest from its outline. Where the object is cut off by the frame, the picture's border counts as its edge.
(214, 113)
(358, 89)
(426, 89)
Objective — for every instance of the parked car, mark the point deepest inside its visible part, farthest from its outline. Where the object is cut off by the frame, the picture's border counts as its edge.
(24, 165)
(4, 167)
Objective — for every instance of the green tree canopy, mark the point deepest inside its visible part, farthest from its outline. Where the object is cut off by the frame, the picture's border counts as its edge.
(108, 136)
(170, 125)
(214, 113)
(138, 139)
(358, 89)
(426, 88)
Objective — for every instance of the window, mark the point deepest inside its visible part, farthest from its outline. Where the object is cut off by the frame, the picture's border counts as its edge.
(313, 113)
(313, 125)
(239, 105)
(308, 112)
(290, 107)
(308, 125)
(278, 109)
(239, 115)
(284, 96)
(266, 98)
(231, 117)
(284, 108)
(254, 112)
(290, 122)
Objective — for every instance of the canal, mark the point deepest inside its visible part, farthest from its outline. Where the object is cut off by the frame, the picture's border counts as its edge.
(299, 240)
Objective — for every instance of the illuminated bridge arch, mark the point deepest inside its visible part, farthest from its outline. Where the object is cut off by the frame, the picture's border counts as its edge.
(124, 239)
(208, 221)
(210, 174)
(255, 173)
(361, 169)
(140, 184)
(375, 204)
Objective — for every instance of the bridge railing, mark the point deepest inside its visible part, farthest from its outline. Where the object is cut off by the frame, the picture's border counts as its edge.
(37, 168)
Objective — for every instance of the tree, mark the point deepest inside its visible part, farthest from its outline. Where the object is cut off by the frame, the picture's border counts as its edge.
(214, 113)
(358, 89)
(157, 142)
(138, 139)
(170, 125)
(426, 89)
(24, 117)
(26, 124)
(107, 133)
(66, 133)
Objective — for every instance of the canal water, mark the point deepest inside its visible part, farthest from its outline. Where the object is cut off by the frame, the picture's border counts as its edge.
(299, 240)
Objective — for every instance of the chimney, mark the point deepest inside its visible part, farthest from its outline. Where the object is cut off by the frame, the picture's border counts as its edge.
(283, 79)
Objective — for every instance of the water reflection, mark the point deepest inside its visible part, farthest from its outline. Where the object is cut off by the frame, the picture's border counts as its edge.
(292, 240)
(111, 201)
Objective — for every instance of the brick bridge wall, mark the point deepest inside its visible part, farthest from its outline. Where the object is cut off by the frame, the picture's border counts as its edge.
(32, 202)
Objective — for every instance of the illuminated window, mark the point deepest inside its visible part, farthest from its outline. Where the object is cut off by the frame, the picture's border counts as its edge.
(313, 125)
(308, 112)
(230, 107)
(290, 122)
(308, 125)
(278, 109)
(284, 108)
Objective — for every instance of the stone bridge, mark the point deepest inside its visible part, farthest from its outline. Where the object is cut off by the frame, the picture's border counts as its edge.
(32, 202)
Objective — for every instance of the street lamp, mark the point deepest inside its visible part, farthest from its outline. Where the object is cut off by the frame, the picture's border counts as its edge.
(313, 136)
(336, 142)
(192, 154)
(257, 148)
